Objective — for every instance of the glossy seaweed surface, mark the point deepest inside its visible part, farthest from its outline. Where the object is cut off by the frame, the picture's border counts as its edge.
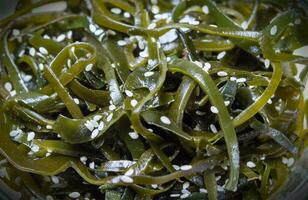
(152, 99)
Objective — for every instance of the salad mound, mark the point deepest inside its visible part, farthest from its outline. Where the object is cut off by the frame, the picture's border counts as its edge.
(140, 99)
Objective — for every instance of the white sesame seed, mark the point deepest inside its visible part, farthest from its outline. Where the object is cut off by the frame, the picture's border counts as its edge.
(46, 36)
(122, 43)
(185, 167)
(241, 80)
(15, 32)
(13, 93)
(244, 25)
(126, 179)
(152, 62)
(8, 86)
(21, 53)
(290, 162)
(184, 29)
(175, 195)
(112, 107)
(155, 9)
(41, 66)
(88, 55)
(55, 179)
(74, 195)
(144, 54)
(94, 123)
(185, 195)
(269, 101)
(92, 28)
(148, 74)
(203, 190)
(165, 120)
(126, 15)
(250, 164)
(195, 22)
(220, 188)
(200, 64)
(133, 102)
(35, 148)
(186, 185)
(111, 32)
(40, 55)
(94, 133)
(109, 117)
(115, 179)
(176, 167)
(83, 159)
(133, 135)
(222, 73)
(32, 52)
(152, 26)
(151, 130)
(214, 109)
(92, 165)
(76, 101)
(154, 186)
(116, 11)
(189, 19)
(273, 30)
(232, 78)
(89, 125)
(30, 136)
(14, 133)
(207, 66)
(89, 67)
(98, 32)
(101, 126)
(129, 172)
(213, 128)
(69, 34)
(221, 55)
(267, 63)
(60, 38)
(43, 50)
(27, 78)
(284, 160)
(227, 103)
(48, 127)
(205, 9)
(184, 191)
(168, 37)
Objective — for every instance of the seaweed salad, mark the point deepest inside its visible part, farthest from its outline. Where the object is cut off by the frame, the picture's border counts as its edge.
(152, 99)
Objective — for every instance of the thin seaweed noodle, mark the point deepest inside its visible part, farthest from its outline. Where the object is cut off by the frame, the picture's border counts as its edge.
(115, 99)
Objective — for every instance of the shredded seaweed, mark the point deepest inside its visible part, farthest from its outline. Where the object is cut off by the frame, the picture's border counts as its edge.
(116, 99)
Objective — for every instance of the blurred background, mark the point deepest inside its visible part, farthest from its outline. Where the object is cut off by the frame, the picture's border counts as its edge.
(7, 7)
